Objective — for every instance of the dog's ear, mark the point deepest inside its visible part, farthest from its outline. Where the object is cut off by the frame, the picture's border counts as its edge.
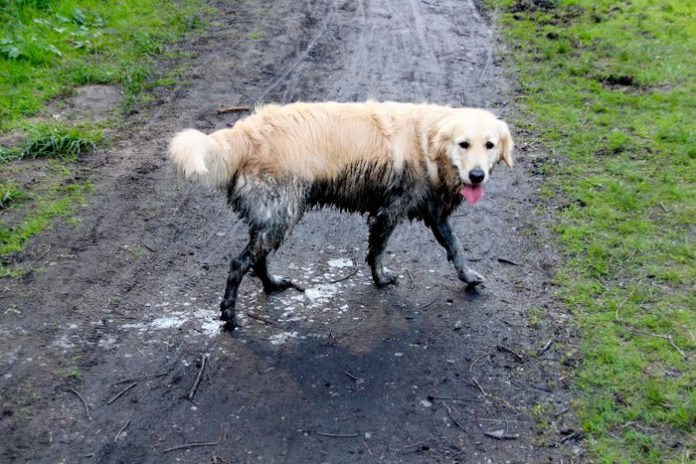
(506, 142)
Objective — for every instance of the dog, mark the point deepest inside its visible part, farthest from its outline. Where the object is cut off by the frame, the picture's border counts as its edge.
(388, 160)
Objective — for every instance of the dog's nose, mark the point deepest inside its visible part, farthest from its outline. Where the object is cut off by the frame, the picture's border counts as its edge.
(476, 175)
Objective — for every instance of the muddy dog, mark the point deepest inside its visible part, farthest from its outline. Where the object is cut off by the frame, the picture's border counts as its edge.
(388, 160)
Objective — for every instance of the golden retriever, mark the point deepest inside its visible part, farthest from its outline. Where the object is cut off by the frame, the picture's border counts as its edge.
(388, 160)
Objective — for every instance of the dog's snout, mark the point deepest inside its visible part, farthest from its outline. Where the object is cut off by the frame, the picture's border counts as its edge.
(476, 175)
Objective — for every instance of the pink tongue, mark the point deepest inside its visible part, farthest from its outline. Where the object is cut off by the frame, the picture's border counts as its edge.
(472, 193)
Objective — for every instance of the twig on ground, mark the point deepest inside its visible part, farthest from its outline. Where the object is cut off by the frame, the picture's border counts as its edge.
(455, 421)
(192, 392)
(84, 402)
(404, 448)
(233, 109)
(664, 337)
(121, 393)
(410, 277)
(356, 379)
(346, 277)
(500, 435)
(195, 444)
(477, 360)
(508, 261)
(545, 348)
(120, 431)
(338, 435)
(262, 319)
(511, 351)
(501, 400)
(429, 304)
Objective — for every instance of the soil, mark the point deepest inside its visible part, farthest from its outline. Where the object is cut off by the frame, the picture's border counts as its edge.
(123, 307)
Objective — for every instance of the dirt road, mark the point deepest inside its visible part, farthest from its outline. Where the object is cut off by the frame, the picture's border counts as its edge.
(128, 299)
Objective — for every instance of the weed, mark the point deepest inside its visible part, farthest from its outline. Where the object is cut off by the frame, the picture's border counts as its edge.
(10, 192)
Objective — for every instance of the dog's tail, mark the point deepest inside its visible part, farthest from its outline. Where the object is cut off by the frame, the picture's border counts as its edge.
(204, 158)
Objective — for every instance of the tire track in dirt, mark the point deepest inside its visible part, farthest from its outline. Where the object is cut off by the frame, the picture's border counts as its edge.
(132, 292)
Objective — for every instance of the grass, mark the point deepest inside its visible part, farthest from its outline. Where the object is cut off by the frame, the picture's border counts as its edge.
(48, 48)
(610, 89)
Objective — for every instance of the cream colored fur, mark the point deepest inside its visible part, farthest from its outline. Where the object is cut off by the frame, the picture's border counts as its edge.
(317, 141)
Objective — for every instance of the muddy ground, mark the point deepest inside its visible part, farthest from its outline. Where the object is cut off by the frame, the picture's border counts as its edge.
(128, 299)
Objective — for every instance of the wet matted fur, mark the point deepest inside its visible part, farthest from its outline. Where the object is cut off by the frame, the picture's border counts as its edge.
(388, 160)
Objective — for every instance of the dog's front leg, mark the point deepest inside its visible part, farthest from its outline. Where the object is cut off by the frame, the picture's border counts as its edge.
(238, 267)
(381, 227)
(446, 237)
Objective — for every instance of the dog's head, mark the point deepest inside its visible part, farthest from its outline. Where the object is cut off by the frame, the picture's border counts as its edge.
(467, 144)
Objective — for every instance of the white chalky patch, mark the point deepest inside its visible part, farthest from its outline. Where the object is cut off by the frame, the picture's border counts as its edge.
(341, 263)
(279, 339)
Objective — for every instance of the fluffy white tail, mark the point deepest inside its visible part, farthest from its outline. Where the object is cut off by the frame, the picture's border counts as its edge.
(200, 157)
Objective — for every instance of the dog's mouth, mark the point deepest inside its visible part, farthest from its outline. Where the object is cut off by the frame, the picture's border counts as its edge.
(471, 193)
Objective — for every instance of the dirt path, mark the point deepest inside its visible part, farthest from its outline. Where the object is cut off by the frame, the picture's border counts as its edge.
(345, 372)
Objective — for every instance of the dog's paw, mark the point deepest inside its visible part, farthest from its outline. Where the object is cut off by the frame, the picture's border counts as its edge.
(227, 313)
(470, 277)
(384, 277)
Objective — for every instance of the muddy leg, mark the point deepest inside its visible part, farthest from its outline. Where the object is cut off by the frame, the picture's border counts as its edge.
(446, 237)
(270, 282)
(381, 227)
(238, 267)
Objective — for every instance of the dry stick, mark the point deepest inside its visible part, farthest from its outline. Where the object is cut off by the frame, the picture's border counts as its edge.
(338, 435)
(121, 393)
(545, 348)
(508, 261)
(408, 273)
(233, 109)
(262, 319)
(415, 444)
(84, 402)
(192, 392)
(356, 379)
(501, 436)
(477, 360)
(509, 350)
(505, 402)
(355, 271)
(664, 337)
(455, 421)
(429, 304)
(120, 431)
(192, 445)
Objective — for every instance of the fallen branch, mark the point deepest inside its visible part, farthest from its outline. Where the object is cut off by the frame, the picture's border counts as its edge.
(338, 435)
(545, 348)
(664, 337)
(508, 261)
(355, 271)
(120, 431)
(501, 435)
(233, 109)
(84, 402)
(121, 393)
(192, 392)
(262, 319)
(196, 444)
(501, 400)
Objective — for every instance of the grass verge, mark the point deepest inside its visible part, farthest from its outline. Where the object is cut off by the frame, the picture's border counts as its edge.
(48, 48)
(610, 89)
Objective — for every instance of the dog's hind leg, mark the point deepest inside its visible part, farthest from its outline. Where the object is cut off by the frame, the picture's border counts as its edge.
(272, 283)
(381, 227)
(449, 241)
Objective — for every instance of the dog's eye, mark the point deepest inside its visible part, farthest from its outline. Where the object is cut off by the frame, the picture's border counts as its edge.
(490, 145)
(464, 145)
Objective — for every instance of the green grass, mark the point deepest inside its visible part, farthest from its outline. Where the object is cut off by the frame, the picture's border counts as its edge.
(610, 89)
(48, 48)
